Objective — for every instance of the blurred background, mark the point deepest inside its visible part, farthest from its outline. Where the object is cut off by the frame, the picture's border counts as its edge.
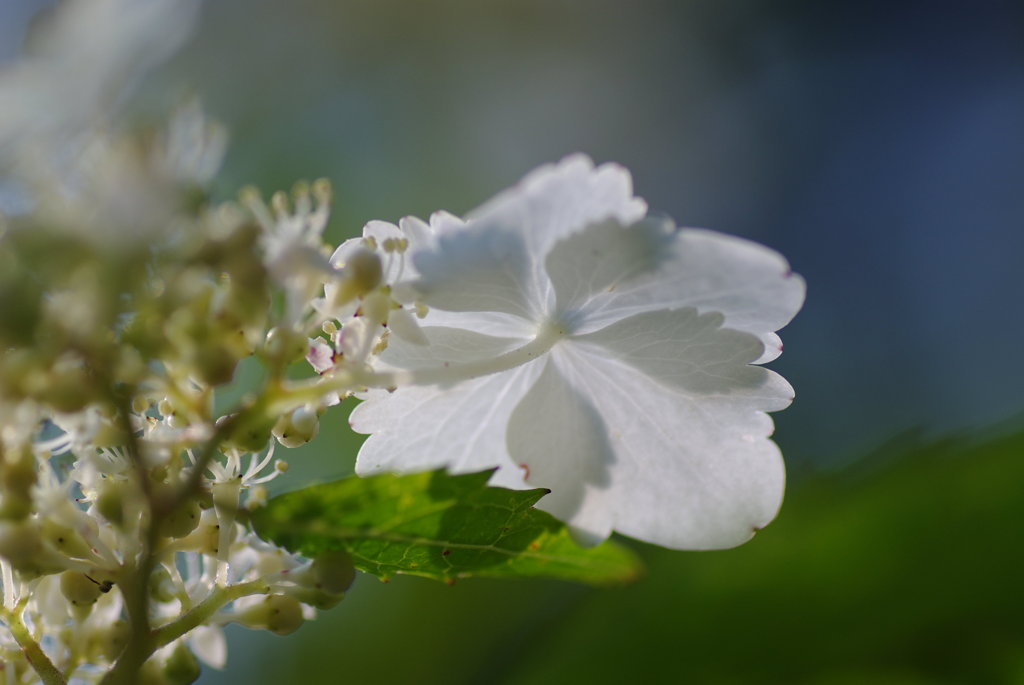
(878, 145)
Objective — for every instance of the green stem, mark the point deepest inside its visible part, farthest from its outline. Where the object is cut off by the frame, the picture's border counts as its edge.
(49, 673)
(201, 612)
(134, 578)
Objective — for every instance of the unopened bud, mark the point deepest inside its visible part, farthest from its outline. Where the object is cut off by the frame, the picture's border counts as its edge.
(298, 427)
(183, 520)
(79, 589)
(182, 667)
(110, 501)
(333, 571)
(22, 545)
(66, 539)
(161, 586)
(251, 433)
(318, 599)
(279, 614)
(285, 345)
(362, 272)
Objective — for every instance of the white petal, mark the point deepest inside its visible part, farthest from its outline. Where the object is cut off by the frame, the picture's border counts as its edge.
(692, 353)
(343, 251)
(489, 323)
(445, 346)
(404, 324)
(690, 471)
(495, 262)
(460, 427)
(210, 645)
(391, 261)
(604, 256)
(444, 222)
(357, 339)
(556, 435)
(381, 231)
(479, 271)
(556, 200)
(751, 285)
(772, 348)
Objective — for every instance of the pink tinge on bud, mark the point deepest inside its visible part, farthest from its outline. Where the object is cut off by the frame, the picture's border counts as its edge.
(320, 355)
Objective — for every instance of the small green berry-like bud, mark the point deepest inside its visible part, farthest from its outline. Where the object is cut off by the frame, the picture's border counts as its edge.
(110, 501)
(19, 541)
(285, 345)
(66, 539)
(79, 589)
(285, 614)
(182, 667)
(298, 427)
(183, 520)
(277, 613)
(333, 571)
(214, 364)
(17, 477)
(252, 433)
(318, 599)
(161, 587)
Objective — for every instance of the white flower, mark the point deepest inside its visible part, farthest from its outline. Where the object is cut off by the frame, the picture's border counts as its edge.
(579, 345)
(84, 59)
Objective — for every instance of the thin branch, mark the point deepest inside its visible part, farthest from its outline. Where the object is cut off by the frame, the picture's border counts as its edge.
(49, 673)
(204, 610)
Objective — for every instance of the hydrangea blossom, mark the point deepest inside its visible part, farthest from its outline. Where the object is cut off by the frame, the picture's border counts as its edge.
(578, 344)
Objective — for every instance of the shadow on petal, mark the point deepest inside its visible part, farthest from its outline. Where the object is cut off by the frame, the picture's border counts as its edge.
(561, 442)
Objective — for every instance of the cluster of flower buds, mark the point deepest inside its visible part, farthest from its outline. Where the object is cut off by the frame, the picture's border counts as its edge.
(127, 303)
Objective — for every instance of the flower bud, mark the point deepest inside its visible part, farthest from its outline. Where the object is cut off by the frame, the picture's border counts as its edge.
(17, 477)
(362, 272)
(66, 539)
(19, 541)
(318, 599)
(298, 427)
(110, 501)
(79, 589)
(181, 667)
(285, 345)
(22, 545)
(183, 520)
(161, 587)
(279, 614)
(333, 571)
(214, 364)
(251, 433)
(205, 539)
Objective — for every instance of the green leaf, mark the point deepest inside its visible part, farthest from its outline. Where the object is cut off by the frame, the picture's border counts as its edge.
(439, 526)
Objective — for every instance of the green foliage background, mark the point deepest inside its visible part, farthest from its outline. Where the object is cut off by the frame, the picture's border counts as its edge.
(903, 569)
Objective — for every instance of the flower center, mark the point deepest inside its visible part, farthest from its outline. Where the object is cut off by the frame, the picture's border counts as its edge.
(548, 335)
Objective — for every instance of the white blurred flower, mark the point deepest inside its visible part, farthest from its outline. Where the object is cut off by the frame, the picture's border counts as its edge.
(65, 154)
(81, 63)
(579, 345)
